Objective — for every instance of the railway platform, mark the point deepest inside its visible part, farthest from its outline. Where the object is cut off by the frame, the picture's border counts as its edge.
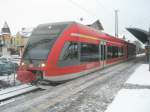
(114, 89)
(135, 95)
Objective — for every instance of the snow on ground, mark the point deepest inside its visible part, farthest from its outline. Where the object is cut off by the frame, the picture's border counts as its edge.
(139, 55)
(141, 76)
(134, 100)
(131, 101)
(7, 77)
(8, 80)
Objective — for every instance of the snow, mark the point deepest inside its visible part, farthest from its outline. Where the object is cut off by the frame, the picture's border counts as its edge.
(140, 55)
(134, 100)
(14, 91)
(6, 102)
(8, 78)
(141, 76)
(131, 101)
(4, 91)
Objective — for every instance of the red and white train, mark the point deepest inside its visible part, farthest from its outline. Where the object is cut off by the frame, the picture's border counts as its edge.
(66, 50)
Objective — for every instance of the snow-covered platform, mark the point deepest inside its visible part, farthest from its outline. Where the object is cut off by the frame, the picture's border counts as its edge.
(134, 99)
(141, 76)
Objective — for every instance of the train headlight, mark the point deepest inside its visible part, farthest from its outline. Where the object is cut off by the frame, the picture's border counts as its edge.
(43, 65)
(22, 63)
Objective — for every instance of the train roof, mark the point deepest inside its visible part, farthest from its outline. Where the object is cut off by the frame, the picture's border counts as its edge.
(56, 23)
(97, 33)
(51, 28)
(89, 30)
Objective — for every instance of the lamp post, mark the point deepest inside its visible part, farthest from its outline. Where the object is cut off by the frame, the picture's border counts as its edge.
(116, 23)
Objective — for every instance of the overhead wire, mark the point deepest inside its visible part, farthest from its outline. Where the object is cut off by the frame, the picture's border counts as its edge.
(109, 11)
(84, 9)
(106, 9)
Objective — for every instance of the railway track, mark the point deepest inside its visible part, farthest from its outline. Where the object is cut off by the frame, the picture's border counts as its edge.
(6, 95)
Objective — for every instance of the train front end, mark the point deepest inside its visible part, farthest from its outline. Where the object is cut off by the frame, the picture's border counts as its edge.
(34, 63)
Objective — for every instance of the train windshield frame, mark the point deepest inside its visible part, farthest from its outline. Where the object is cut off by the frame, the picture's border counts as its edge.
(42, 40)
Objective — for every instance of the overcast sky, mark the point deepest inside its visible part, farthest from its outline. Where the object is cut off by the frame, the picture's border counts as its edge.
(30, 13)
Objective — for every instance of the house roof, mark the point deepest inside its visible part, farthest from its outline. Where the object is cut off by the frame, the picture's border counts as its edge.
(97, 25)
(5, 29)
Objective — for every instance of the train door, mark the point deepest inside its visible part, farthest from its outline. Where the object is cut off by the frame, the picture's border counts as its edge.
(103, 53)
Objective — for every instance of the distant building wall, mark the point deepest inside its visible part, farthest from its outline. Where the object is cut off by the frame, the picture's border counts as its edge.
(13, 44)
(19, 42)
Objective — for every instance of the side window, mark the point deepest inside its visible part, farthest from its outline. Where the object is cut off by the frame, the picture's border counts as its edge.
(102, 52)
(109, 52)
(89, 52)
(131, 50)
(114, 52)
(120, 52)
(69, 54)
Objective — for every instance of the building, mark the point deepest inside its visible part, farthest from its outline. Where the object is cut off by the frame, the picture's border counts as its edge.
(19, 41)
(5, 40)
(13, 44)
(97, 25)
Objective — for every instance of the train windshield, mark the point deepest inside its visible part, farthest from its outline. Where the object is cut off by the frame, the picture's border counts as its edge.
(41, 41)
